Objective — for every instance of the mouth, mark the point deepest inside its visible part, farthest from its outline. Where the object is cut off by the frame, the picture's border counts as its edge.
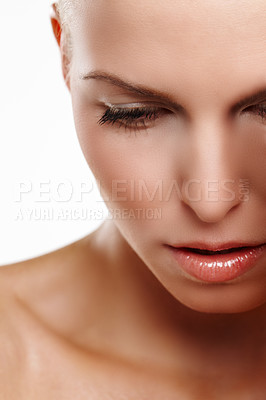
(211, 252)
(217, 265)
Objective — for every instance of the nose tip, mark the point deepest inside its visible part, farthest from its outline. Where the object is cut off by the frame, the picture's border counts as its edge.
(212, 213)
(211, 203)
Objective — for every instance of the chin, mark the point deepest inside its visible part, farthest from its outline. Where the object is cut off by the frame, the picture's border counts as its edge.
(226, 298)
(222, 290)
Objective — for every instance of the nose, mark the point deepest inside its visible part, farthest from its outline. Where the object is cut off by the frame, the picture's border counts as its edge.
(212, 171)
(210, 199)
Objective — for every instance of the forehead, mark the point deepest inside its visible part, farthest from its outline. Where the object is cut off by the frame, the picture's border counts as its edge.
(210, 44)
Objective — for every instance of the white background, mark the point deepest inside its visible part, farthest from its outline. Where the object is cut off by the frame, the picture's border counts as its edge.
(38, 143)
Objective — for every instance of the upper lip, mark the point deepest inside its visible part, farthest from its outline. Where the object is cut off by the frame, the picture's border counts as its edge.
(216, 246)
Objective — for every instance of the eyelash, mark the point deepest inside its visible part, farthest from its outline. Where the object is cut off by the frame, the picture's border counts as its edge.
(260, 110)
(129, 118)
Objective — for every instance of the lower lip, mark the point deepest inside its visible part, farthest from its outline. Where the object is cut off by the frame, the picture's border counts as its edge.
(218, 267)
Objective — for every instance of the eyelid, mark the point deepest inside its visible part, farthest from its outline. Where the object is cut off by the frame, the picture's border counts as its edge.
(123, 105)
(130, 115)
(261, 103)
(144, 104)
(128, 106)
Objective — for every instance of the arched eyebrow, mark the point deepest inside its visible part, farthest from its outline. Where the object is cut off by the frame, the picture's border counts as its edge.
(249, 99)
(140, 90)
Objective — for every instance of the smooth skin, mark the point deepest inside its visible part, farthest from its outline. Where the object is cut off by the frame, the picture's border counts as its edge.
(112, 316)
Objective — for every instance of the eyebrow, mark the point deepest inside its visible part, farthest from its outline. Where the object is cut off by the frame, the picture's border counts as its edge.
(141, 90)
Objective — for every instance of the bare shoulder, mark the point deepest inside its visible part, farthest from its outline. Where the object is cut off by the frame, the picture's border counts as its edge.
(55, 288)
(43, 302)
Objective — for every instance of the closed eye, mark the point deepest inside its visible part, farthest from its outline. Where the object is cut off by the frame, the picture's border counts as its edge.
(133, 118)
(259, 110)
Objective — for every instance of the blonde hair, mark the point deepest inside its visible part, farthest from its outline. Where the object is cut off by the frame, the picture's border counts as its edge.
(64, 9)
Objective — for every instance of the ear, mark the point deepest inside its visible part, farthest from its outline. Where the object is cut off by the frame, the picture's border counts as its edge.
(61, 41)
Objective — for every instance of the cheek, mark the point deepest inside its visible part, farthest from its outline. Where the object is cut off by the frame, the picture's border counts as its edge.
(131, 167)
(133, 172)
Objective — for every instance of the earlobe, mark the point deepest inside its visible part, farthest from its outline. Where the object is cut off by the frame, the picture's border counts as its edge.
(55, 21)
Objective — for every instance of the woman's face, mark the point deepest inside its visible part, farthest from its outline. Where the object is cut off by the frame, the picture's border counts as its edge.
(161, 97)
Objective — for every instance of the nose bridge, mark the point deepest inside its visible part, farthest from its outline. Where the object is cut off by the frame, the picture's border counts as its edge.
(212, 148)
(211, 183)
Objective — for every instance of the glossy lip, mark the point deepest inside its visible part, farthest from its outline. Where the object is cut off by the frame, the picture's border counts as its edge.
(218, 267)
